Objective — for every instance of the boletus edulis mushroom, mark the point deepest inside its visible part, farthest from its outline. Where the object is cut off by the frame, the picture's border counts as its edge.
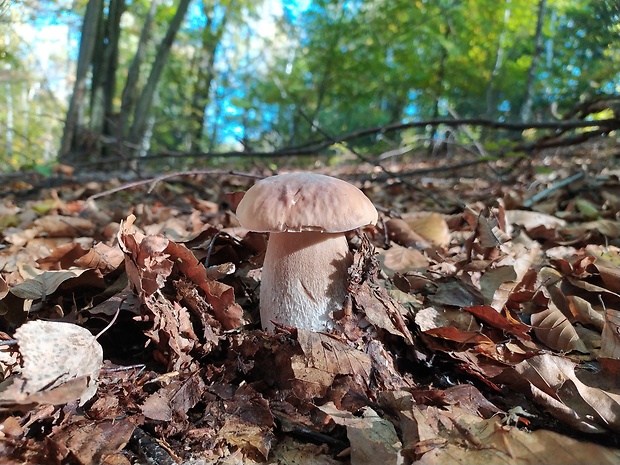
(305, 271)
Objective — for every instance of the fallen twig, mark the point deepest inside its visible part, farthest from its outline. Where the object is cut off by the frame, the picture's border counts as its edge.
(559, 185)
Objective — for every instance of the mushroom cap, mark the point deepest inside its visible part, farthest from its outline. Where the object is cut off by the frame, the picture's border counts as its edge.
(304, 202)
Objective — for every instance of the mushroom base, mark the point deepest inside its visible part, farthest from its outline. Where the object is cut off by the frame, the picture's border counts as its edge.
(304, 279)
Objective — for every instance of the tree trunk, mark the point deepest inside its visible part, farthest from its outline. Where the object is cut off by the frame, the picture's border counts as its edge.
(128, 99)
(9, 120)
(206, 61)
(144, 103)
(441, 75)
(75, 117)
(526, 108)
(104, 70)
(499, 56)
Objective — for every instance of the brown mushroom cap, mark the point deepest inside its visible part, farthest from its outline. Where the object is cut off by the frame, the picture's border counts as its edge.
(304, 202)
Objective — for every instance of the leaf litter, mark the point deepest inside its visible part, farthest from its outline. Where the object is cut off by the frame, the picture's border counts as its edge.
(468, 335)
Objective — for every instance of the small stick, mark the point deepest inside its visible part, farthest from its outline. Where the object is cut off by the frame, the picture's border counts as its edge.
(541, 195)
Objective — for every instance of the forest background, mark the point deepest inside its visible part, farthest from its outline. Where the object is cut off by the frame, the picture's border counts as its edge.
(483, 315)
(187, 83)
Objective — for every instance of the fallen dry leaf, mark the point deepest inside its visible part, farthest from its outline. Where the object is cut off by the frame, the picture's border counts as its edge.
(55, 355)
(89, 442)
(556, 331)
(370, 436)
(431, 226)
(552, 381)
(488, 441)
(324, 358)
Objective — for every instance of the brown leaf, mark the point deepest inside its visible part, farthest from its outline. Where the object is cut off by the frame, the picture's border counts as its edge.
(54, 354)
(380, 309)
(464, 337)
(431, 226)
(403, 259)
(219, 295)
(370, 436)
(584, 312)
(400, 232)
(88, 442)
(62, 257)
(610, 276)
(322, 360)
(101, 257)
(492, 317)
(553, 328)
(172, 332)
(552, 381)
(453, 292)
(44, 284)
(491, 442)
(610, 340)
(64, 226)
(531, 220)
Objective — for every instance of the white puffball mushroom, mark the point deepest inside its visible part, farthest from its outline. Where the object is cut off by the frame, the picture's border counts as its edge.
(304, 277)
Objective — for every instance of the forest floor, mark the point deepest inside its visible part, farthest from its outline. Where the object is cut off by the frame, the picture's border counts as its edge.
(483, 324)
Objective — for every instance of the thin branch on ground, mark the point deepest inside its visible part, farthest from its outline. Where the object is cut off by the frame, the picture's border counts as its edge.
(156, 180)
(559, 185)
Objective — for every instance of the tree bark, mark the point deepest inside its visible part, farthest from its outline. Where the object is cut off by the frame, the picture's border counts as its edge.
(128, 99)
(144, 103)
(526, 108)
(104, 70)
(75, 117)
(206, 71)
(499, 58)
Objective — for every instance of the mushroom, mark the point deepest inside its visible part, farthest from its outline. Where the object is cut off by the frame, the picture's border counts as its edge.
(305, 271)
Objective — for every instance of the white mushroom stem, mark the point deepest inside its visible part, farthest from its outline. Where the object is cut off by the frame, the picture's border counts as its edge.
(304, 279)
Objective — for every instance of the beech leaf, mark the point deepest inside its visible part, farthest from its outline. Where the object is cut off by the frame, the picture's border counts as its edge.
(553, 328)
(54, 354)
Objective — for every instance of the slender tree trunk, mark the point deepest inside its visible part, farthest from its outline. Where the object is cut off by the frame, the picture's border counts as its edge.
(9, 120)
(526, 108)
(206, 71)
(128, 99)
(499, 58)
(440, 82)
(75, 117)
(104, 70)
(143, 105)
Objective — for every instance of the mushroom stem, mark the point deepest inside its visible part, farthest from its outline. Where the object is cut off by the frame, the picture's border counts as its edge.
(304, 279)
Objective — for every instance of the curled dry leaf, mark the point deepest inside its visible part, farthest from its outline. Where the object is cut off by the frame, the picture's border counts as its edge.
(493, 318)
(221, 296)
(553, 328)
(531, 220)
(584, 312)
(488, 441)
(370, 436)
(403, 259)
(64, 226)
(88, 442)
(4, 288)
(610, 275)
(55, 355)
(551, 380)
(498, 284)
(400, 232)
(44, 284)
(431, 226)
(322, 360)
(610, 339)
